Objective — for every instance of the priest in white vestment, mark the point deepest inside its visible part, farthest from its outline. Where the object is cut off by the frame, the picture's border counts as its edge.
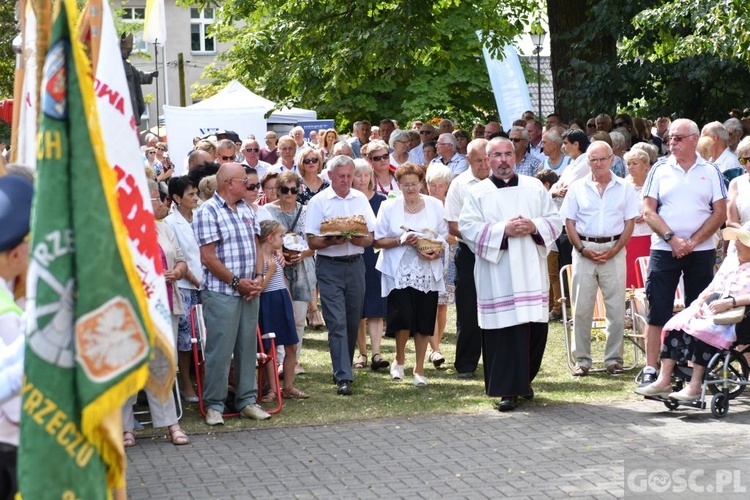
(510, 223)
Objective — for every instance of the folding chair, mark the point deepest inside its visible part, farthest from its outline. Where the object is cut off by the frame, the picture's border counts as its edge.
(267, 355)
(146, 411)
(641, 273)
(198, 340)
(598, 323)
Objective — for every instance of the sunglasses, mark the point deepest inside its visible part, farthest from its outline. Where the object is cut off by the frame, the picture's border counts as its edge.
(591, 125)
(744, 160)
(515, 139)
(308, 161)
(226, 158)
(160, 149)
(379, 158)
(287, 190)
(252, 150)
(151, 152)
(678, 138)
(252, 187)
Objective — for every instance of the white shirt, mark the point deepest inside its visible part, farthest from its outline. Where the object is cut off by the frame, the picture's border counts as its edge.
(454, 200)
(262, 167)
(685, 198)
(328, 204)
(416, 155)
(11, 328)
(189, 245)
(727, 160)
(595, 215)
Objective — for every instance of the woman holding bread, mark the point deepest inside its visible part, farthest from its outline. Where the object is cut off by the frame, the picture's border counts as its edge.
(411, 232)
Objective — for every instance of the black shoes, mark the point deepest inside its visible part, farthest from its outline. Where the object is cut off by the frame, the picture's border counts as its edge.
(648, 379)
(377, 362)
(344, 388)
(507, 404)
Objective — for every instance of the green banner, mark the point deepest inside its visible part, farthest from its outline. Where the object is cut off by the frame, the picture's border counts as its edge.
(88, 328)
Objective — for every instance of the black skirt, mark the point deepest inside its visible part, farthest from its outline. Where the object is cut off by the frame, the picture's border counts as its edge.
(410, 309)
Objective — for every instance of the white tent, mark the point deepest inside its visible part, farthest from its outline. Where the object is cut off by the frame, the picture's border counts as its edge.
(233, 108)
(235, 95)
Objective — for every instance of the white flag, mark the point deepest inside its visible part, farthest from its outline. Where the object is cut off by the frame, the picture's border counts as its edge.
(155, 24)
(120, 134)
(27, 118)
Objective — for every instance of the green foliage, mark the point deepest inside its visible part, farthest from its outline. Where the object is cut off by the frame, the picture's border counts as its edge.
(365, 58)
(673, 58)
(8, 31)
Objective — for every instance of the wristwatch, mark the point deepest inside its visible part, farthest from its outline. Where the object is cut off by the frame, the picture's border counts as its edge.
(235, 282)
(668, 236)
(581, 249)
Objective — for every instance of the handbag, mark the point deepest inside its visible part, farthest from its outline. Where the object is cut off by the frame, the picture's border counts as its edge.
(730, 316)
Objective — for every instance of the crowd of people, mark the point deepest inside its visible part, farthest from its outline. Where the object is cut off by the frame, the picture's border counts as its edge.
(240, 233)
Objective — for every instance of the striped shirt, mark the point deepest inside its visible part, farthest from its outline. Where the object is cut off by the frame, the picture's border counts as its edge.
(234, 234)
(276, 282)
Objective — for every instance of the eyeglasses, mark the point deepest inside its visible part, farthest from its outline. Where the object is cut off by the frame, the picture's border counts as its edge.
(443, 144)
(241, 179)
(411, 185)
(160, 149)
(591, 125)
(226, 158)
(287, 190)
(425, 132)
(269, 188)
(151, 153)
(252, 187)
(308, 161)
(252, 150)
(379, 158)
(744, 160)
(156, 199)
(679, 138)
(515, 139)
(599, 160)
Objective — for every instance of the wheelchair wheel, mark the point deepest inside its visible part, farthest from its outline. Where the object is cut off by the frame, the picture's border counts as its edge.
(671, 404)
(737, 373)
(720, 405)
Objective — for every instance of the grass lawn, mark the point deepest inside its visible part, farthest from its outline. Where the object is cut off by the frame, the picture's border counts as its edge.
(377, 396)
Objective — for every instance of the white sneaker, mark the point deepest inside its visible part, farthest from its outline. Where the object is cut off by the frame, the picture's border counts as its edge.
(213, 417)
(397, 372)
(254, 412)
(420, 381)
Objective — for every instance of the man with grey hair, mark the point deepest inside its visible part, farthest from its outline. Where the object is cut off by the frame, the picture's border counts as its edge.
(427, 133)
(339, 266)
(448, 156)
(526, 163)
(599, 212)
(251, 151)
(446, 126)
(685, 203)
(734, 127)
(361, 137)
(721, 156)
(603, 122)
(226, 151)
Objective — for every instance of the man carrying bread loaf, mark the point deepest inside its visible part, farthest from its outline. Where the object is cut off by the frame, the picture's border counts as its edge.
(348, 223)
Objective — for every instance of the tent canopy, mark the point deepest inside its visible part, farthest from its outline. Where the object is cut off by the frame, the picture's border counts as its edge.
(237, 96)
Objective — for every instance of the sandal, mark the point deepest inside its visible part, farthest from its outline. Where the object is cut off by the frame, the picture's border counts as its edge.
(378, 362)
(128, 439)
(268, 397)
(177, 435)
(314, 319)
(580, 371)
(437, 359)
(361, 361)
(294, 393)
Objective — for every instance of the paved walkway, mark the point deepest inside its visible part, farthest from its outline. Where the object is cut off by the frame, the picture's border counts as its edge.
(582, 451)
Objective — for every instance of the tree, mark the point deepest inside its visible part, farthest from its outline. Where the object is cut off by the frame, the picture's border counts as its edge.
(367, 58)
(8, 31)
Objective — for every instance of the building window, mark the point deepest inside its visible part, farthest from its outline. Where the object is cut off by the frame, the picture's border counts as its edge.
(135, 15)
(200, 41)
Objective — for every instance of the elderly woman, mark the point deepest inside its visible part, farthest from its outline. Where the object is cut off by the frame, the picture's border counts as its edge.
(287, 149)
(438, 181)
(463, 138)
(152, 163)
(207, 187)
(692, 336)
(252, 186)
(430, 152)
(184, 197)
(738, 209)
(638, 163)
(300, 267)
(411, 278)
(268, 185)
(310, 164)
(163, 414)
(376, 154)
(399, 142)
(374, 309)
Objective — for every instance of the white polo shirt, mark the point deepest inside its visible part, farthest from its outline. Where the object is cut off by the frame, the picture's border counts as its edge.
(727, 160)
(600, 216)
(189, 245)
(328, 204)
(685, 199)
(454, 200)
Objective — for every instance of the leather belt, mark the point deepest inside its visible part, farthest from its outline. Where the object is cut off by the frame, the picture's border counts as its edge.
(346, 258)
(599, 239)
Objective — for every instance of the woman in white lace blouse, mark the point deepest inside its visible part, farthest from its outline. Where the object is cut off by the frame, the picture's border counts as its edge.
(411, 279)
